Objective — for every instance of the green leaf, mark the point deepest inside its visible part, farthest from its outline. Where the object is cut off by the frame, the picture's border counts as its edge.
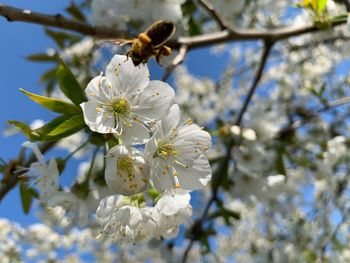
(340, 18)
(153, 193)
(26, 197)
(49, 75)
(50, 86)
(75, 12)
(322, 89)
(43, 58)
(280, 167)
(52, 104)
(194, 28)
(62, 38)
(321, 5)
(69, 85)
(113, 142)
(26, 130)
(310, 256)
(99, 139)
(61, 127)
(74, 123)
(188, 8)
(54, 130)
(3, 165)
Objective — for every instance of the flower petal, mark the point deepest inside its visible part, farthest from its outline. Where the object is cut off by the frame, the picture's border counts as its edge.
(108, 205)
(98, 89)
(154, 102)
(125, 77)
(97, 121)
(161, 180)
(124, 175)
(196, 176)
(137, 134)
(170, 121)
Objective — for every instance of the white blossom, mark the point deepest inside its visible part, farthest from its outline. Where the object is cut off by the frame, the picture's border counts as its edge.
(126, 170)
(124, 101)
(127, 220)
(71, 208)
(123, 221)
(176, 154)
(172, 211)
(246, 133)
(336, 148)
(81, 49)
(46, 176)
(121, 13)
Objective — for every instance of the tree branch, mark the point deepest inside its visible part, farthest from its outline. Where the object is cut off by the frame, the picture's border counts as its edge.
(59, 21)
(272, 35)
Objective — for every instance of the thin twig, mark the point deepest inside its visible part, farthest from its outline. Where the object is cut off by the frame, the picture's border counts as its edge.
(211, 10)
(222, 169)
(311, 116)
(76, 150)
(177, 61)
(266, 52)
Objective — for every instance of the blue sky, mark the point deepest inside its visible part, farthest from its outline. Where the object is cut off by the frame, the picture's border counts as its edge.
(18, 40)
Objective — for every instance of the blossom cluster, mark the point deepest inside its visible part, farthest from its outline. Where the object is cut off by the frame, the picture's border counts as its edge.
(136, 111)
(154, 150)
(120, 14)
(126, 104)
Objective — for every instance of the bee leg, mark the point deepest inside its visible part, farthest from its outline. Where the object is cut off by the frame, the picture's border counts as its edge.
(128, 54)
(157, 55)
(163, 51)
(145, 39)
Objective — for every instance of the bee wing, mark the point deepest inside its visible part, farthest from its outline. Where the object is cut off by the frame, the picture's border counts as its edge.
(162, 44)
(119, 41)
(122, 42)
(160, 32)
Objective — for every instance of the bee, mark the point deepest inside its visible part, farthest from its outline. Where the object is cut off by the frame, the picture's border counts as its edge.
(151, 42)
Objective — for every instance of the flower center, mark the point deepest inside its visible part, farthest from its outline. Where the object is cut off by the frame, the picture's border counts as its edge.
(165, 150)
(137, 200)
(125, 164)
(120, 107)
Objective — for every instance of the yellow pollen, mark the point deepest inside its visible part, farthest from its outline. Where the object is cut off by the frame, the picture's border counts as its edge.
(120, 106)
(125, 164)
(165, 150)
(189, 122)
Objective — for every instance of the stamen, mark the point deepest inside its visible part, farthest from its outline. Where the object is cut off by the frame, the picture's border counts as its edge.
(176, 180)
